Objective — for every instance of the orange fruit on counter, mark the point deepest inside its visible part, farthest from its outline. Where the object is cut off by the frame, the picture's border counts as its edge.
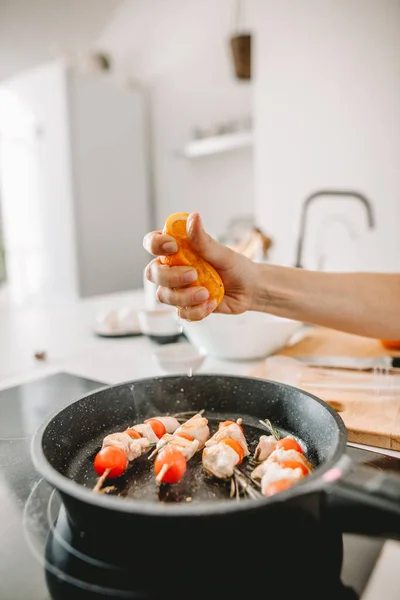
(207, 276)
(391, 344)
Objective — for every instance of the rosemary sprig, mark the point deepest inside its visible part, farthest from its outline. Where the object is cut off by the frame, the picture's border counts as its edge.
(247, 487)
(233, 488)
(267, 423)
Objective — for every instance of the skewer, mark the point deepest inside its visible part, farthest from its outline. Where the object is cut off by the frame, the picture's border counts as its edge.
(162, 472)
(101, 480)
(282, 462)
(162, 445)
(156, 450)
(224, 451)
(185, 415)
(178, 448)
(108, 490)
(145, 435)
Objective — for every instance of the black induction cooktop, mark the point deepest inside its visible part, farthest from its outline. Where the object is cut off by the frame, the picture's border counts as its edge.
(39, 557)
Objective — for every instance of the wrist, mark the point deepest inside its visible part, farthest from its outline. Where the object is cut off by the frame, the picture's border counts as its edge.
(274, 289)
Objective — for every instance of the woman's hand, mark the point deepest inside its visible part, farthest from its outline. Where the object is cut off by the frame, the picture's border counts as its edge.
(236, 271)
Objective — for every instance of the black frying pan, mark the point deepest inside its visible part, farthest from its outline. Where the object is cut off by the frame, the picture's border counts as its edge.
(168, 538)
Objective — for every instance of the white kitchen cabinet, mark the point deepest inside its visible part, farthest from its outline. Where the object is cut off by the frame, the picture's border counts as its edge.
(73, 184)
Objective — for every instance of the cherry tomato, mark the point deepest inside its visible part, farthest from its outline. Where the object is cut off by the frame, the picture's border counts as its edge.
(112, 458)
(133, 433)
(278, 486)
(288, 443)
(157, 427)
(185, 435)
(175, 461)
(226, 423)
(236, 446)
(293, 464)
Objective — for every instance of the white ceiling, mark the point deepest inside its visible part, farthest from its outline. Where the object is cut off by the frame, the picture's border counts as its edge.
(144, 37)
(32, 31)
(150, 38)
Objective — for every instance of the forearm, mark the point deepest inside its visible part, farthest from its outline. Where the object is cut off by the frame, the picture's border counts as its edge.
(365, 304)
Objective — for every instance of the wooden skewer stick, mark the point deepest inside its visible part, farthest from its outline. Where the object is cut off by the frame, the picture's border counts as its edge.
(101, 480)
(108, 489)
(157, 449)
(186, 415)
(152, 453)
(162, 472)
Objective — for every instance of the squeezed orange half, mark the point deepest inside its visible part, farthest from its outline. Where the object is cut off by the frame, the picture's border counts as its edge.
(208, 277)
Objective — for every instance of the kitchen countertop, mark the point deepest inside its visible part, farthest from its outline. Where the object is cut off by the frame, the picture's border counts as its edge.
(65, 332)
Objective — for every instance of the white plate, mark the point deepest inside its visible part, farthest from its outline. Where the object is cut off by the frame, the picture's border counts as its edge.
(105, 332)
(122, 322)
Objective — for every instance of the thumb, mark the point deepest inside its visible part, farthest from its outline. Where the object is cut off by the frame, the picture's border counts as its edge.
(207, 247)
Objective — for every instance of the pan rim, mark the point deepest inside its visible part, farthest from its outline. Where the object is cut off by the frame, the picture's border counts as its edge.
(69, 487)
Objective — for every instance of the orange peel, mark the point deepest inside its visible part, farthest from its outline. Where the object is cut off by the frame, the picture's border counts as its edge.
(207, 276)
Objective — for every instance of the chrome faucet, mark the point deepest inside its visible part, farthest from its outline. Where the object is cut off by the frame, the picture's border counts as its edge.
(325, 225)
(345, 194)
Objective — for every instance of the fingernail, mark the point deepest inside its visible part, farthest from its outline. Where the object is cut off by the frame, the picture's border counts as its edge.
(190, 276)
(212, 305)
(170, 247)
(148, 273)
(201, 295)
(190, 224)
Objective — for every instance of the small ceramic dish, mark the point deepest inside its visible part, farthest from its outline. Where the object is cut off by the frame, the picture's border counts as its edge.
(161, 325)
(121, 322)
(182, 358)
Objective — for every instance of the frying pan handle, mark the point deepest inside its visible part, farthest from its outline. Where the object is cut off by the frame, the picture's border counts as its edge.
(364, 500)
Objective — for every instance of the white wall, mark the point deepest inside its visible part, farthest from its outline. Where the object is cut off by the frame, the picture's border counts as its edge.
(110, 183)
(327, 113)
(179, 50)
(73, 184)
(37, 188)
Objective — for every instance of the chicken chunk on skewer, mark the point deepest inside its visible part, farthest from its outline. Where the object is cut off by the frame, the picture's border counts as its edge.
(233, 431)
(265, 447)
(281, 456)
(171, 424)
(133, 448)
(186, 446)
(276, 476)
(225, 450)
(174, 450)
(284, 466)
(195, 428)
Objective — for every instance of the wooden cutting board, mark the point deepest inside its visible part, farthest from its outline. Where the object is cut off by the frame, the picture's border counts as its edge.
(371, 418)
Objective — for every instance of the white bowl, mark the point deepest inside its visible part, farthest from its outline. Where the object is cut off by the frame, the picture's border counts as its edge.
(250, 336)
(182, 358)
(160, 324)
